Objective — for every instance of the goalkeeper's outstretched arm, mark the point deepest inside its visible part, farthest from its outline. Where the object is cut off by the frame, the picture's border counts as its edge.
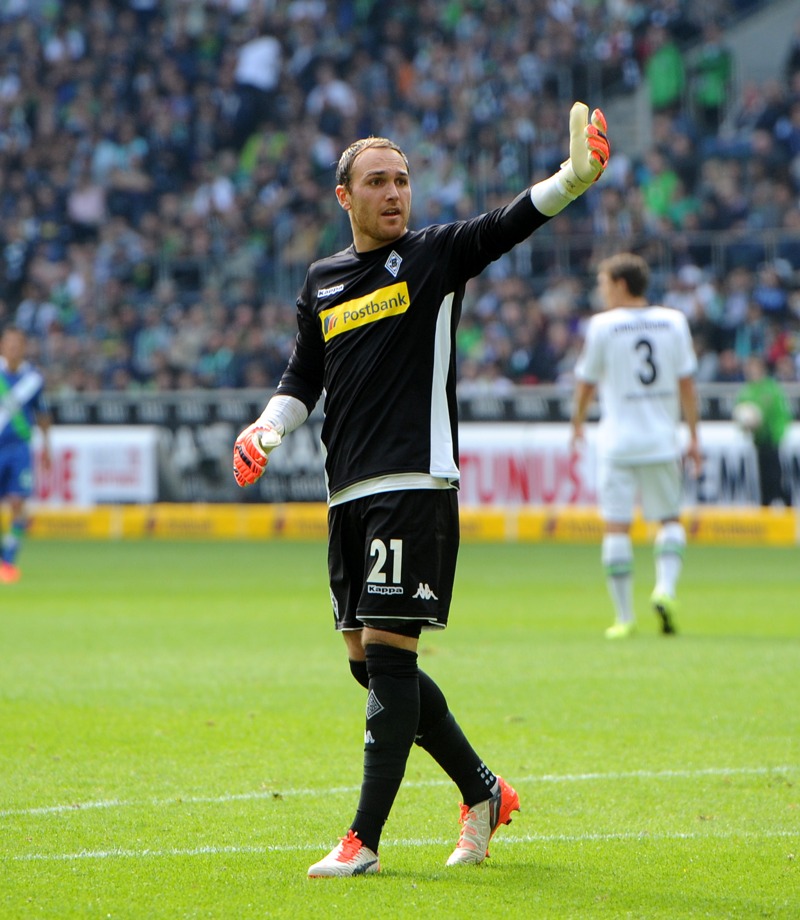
(589, 151)
(251, 451)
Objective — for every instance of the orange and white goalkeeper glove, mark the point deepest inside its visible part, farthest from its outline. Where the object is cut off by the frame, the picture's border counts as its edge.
(588, 146)
(589, 152)
(251, 452)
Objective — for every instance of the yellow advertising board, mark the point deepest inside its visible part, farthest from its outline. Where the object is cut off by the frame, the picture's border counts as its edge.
(723, 526)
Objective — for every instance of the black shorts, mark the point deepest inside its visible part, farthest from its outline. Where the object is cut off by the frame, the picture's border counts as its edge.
(392, 560)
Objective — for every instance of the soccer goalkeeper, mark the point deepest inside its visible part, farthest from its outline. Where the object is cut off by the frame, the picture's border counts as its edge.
(376, 332)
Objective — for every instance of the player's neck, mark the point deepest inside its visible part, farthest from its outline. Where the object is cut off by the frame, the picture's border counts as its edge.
(633, 303)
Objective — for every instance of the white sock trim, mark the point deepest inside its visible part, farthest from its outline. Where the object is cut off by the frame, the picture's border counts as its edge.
(671, 538)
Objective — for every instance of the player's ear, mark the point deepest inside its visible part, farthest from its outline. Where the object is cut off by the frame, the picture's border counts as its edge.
(344, 197)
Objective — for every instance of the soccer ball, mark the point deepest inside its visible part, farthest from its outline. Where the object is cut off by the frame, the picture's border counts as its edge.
(748, 416)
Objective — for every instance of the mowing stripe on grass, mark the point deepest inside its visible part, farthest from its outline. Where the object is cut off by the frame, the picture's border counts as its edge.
(349, 790)
(423, 842)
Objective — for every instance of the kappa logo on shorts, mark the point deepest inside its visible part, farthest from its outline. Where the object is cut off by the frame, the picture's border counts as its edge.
(384, 589)
(424, 593)
(374, 705)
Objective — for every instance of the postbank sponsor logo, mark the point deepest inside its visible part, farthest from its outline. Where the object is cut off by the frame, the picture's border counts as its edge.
(380, 304)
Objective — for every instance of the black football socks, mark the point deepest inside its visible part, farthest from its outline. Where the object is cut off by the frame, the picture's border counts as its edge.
(439, 734)
(392, 720)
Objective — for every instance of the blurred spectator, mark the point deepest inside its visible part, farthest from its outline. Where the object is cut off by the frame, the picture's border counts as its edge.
(659, 182)
(788, 248)
(737, 288)
(483, 379)
(774, 416)
(257, 75)
(152, 338)
(729, 367)
(36, 314)
(331, 101)
(752, 336)
(787, 133)
(664, 67)
(786, 370)
(792, 64)
(711, 74)
(771, 291)
(86, 206)
(689, 292)
(707, 359)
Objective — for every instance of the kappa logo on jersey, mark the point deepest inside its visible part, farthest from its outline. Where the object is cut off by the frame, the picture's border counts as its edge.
(374, 705)
(330, 291)
(424, 593)
(368, 738)
(380, 304)
(392, 264)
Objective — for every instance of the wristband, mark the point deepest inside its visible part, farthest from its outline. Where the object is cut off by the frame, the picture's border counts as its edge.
(284, 414)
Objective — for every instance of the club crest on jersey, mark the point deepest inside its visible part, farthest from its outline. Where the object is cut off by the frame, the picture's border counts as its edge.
(381, 304)
(392, 264)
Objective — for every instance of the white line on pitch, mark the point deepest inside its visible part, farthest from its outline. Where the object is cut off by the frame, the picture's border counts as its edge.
(303, 847)
(349, 790)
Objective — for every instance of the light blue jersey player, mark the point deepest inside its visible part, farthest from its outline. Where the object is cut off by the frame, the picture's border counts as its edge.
(21, 407)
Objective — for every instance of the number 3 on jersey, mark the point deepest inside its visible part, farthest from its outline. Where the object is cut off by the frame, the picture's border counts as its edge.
(377, 575)
(647, 369)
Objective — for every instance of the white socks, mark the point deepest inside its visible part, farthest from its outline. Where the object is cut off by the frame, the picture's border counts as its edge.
(617, 556)
(668, 548)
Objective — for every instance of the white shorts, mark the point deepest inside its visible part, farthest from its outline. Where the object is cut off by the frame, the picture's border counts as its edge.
(655, 486)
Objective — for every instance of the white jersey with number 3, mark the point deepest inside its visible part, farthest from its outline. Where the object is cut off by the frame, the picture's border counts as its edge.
(636, 356)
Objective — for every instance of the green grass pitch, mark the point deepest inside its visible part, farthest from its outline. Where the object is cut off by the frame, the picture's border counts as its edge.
(180, 738)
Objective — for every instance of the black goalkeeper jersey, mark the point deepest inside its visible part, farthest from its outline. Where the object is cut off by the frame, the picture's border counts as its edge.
(376, 332)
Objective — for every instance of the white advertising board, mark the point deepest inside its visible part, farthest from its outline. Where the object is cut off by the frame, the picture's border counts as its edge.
(502, 464)
(95, 465)
(523, 463)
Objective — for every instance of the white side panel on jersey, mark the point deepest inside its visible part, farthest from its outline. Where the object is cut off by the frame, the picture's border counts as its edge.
(443, 461)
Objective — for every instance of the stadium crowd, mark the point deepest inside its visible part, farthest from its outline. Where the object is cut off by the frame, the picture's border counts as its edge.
(166, 175)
